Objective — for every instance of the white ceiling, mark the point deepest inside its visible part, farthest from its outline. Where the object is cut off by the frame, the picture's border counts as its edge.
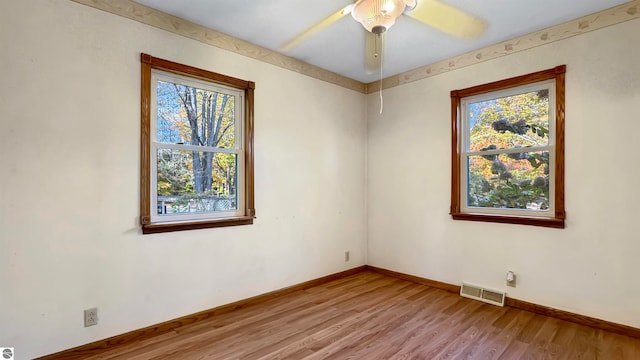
(340, 47)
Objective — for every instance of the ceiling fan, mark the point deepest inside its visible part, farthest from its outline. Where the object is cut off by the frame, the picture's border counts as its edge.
(377, 16)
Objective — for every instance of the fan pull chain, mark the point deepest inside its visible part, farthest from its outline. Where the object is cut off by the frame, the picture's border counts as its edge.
(381, 66)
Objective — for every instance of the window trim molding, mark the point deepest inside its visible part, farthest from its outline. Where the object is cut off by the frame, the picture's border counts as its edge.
(149, 63)
(559, 216)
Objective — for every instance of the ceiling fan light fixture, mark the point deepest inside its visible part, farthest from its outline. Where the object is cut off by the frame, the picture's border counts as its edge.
(377, 16)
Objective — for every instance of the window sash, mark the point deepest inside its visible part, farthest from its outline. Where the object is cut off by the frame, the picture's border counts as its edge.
(466, 153)
(238, 149)
(238, 96)
(165, 218)
(465, 132)
(464, 188)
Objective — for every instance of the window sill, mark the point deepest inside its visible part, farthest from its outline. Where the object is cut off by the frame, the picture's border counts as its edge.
(557, 223)
(194, 225)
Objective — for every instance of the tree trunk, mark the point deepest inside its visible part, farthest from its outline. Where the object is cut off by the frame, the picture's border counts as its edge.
(198, 172)
(206, 130)
(208, 178)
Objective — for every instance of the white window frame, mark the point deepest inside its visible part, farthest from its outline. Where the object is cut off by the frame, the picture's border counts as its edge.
(238, 149)
(466, 153)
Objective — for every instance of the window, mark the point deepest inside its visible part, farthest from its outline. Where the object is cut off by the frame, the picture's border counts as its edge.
(196, 150)
(508, 150)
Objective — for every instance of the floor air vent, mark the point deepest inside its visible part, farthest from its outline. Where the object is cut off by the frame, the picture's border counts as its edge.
(482, 294)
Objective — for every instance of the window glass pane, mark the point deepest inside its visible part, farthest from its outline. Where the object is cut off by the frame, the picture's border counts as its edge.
(509, 181)
(509, 122)
(194, 116)
(196, 182)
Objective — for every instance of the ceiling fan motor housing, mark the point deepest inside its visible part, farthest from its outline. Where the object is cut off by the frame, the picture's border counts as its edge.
(377, 16)
(378, 29)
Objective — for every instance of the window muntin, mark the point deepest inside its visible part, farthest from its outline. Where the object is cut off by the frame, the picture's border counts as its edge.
(508, 150)
(196, 148)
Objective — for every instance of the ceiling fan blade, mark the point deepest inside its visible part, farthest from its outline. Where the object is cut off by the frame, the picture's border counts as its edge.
(317, 27)
(448, 19)
(374, 51)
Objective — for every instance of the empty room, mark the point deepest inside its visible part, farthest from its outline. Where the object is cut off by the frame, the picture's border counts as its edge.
(336, 179)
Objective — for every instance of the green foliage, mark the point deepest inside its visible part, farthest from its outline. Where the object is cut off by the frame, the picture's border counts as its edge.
(174, 173)
(503, 192)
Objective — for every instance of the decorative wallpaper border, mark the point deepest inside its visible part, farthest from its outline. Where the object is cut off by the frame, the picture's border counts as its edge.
(146, 15)
(161, 20)
(599, 20)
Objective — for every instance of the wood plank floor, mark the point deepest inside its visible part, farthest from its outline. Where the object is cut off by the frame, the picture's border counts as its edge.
(371, 316)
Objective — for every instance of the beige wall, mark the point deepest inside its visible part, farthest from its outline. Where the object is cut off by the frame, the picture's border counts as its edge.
(591, 266)
(69, 144)
(69, 159)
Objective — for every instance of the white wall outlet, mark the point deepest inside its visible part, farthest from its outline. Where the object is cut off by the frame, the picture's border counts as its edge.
(91, 317)
(511, 279)
(346, 256)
